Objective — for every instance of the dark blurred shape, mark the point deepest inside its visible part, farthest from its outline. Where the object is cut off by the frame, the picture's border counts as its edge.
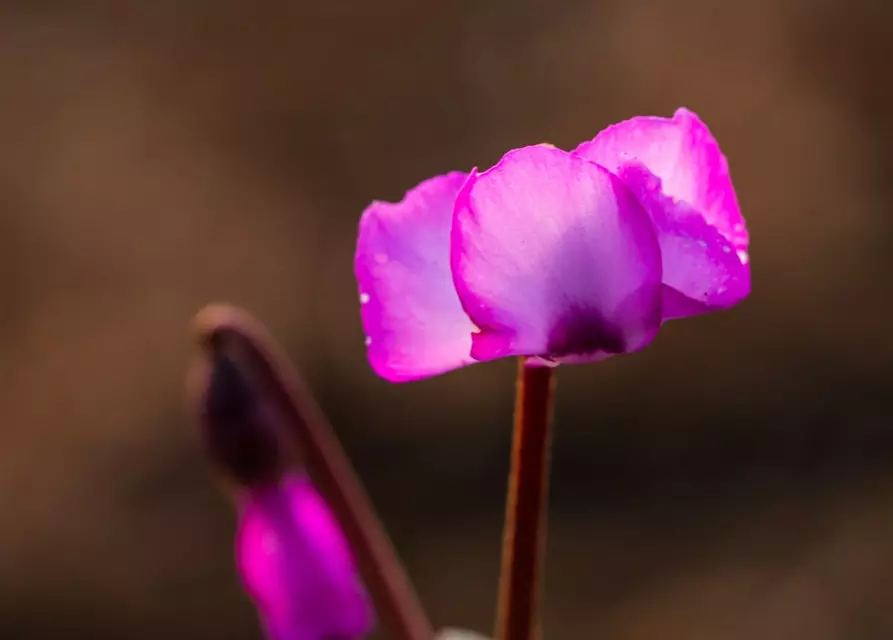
(238, 432)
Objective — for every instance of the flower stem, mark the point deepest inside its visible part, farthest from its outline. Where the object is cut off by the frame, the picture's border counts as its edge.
(524, 536)
(398, 607)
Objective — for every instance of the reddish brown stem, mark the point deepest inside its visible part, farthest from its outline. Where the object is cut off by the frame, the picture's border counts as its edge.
(398, 607)
(523, 546)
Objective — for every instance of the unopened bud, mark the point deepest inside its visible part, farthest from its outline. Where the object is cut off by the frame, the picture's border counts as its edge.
(238, 429)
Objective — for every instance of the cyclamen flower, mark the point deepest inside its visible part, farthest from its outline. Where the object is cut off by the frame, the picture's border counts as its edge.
(297, 567)
(562, 256)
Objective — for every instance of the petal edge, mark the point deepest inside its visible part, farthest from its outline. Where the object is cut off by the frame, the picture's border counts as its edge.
(412, 318)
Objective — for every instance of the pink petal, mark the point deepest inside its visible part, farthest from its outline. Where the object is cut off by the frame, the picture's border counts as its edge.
(702, 271)
(414, 323)
(553, 257)
(297, 567)
(694, 177)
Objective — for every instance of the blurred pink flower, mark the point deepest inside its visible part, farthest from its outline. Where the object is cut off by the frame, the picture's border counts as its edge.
(564, 256)
(296, 565)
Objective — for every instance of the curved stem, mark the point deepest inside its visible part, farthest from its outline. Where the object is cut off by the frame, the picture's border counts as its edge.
(395, 599)
(523, 546)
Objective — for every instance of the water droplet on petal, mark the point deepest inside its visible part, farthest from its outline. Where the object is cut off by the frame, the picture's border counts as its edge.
(743, 257)
(368, 340)
(726, 249)
(364, 298)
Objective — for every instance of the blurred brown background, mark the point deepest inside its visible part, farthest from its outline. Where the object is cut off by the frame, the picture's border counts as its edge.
(733, 481)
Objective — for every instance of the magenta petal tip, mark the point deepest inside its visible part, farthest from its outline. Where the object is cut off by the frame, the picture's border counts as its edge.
(296, 565)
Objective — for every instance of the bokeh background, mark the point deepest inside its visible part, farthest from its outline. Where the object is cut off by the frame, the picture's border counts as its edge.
(733, 481)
